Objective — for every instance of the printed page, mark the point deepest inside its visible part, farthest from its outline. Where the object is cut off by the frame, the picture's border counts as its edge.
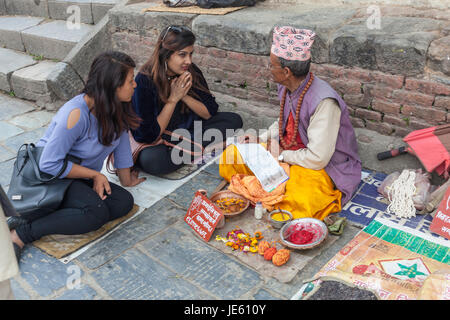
(266, 169)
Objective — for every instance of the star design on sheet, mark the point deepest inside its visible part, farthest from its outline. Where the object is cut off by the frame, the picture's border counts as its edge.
(410, 272)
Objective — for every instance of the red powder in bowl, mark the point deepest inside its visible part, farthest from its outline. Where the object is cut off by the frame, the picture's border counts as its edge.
(300, 234)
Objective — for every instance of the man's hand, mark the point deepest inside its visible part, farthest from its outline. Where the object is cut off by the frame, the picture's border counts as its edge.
(274, 148)
(248, 138)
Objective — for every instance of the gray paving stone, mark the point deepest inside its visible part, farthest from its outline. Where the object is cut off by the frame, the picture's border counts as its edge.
(158, 217)
(53, 40)
(64, 81)
(100, 8)
(183, 195)
(85, 292)
(33, 136)
(58, 9)
(31, 82)
(10, 28)
(44, 273)
(264, 295)
(8, 130)
(27, 7)
(11, 61)
(2, 7)
(6, 169)
(400, 46)
(11, 107)
(213, 169)
(6, 154)
(136, 276)
(33, 120)
(204, 266)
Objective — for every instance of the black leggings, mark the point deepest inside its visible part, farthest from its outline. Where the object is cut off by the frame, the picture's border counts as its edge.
(157, 160)
(82, 211)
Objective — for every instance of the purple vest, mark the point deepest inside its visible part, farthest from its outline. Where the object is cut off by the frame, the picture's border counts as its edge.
(344, 167)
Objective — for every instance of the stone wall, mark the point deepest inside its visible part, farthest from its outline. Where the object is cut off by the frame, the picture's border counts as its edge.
(394, 80)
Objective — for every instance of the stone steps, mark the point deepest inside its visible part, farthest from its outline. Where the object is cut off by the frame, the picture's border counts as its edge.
(52, 39)
(91, 11)
(47, 82)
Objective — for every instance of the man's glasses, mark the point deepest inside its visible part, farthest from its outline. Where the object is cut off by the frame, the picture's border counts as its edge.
(177, 29)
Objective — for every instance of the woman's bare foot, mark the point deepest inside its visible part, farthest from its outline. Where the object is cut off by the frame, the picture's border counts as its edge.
(15, 238)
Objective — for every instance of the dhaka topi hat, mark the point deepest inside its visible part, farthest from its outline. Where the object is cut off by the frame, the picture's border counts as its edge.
(292, 44)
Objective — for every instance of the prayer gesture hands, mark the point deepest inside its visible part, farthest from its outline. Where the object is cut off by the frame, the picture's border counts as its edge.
(180, 86)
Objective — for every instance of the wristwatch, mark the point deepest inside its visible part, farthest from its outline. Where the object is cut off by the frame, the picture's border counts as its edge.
(280, 157)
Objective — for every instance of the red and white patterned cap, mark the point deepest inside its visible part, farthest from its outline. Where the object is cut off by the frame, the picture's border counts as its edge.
(292, 44)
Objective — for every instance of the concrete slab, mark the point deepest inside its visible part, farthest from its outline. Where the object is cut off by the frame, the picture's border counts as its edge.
(13, 144)
(134, 275)
(202, 265)
(11, 61)
(53, 40)
(11, 107)
(27, 7)
(31, 82)
(101, 7)
(6, 154)
(8, 130)
(45, 281)
(10, 28)
(64, 9)
(33, 120)
(153, 220)
(6, 169)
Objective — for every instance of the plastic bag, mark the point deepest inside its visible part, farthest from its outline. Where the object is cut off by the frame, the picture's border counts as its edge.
(421, 182)
(180, 3)
(207, 4)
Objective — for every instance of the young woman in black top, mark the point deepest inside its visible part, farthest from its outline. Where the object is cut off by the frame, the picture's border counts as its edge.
(171, 94)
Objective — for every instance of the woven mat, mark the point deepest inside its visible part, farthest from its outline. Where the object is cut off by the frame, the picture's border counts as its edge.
(60, 246)
(247, 222)
(192, 9)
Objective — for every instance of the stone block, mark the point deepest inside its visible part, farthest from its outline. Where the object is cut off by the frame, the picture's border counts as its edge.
(183, 195)
(11, 61)
(439, 55)
(10, 28)
(131, 18)
(15, 142)
(33, 120)
(154, 219)
(27, 8)
(100, 8)
(8, 130)
(64, 82)
(31, 82)
(6, 154)
(84, 292)
(10, 107)
(399, 47)
(2, 7)
(134, 275)
(53, 40)
(44, 274)
(61, 10)
(86, 49)
(202, 265)
(6, 169)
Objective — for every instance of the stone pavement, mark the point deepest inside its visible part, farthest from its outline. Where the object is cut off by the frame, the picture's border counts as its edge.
(153, 256)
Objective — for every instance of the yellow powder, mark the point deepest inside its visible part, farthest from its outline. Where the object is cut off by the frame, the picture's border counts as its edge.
(280, 216)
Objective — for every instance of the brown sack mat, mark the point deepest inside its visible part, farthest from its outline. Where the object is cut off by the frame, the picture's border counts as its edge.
(192, 9)
(59, 246)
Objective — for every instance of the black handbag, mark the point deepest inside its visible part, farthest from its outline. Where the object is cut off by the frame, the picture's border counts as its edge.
(33, 192)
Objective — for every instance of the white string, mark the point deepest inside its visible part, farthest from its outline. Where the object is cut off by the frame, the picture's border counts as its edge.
(401, 193)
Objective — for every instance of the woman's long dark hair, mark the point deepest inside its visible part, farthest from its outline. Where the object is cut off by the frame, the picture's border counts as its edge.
(175, 38)
(108, 72)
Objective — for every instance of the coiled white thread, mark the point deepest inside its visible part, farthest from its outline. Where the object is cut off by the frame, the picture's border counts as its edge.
(401, 193)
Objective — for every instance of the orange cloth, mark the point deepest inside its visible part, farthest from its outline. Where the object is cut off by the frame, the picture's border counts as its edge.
(307, 193)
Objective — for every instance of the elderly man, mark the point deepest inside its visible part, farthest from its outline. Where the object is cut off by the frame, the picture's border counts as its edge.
(314, 132)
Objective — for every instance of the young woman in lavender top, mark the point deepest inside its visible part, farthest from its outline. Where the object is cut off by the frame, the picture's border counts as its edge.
(90, 126)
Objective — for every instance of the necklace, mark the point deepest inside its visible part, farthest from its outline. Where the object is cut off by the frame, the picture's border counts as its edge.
(287, 144)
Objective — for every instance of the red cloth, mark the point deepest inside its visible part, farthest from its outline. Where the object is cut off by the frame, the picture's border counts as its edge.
(289, 133)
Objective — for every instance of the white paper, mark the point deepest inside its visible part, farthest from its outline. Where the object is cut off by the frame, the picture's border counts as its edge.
(266, 169)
